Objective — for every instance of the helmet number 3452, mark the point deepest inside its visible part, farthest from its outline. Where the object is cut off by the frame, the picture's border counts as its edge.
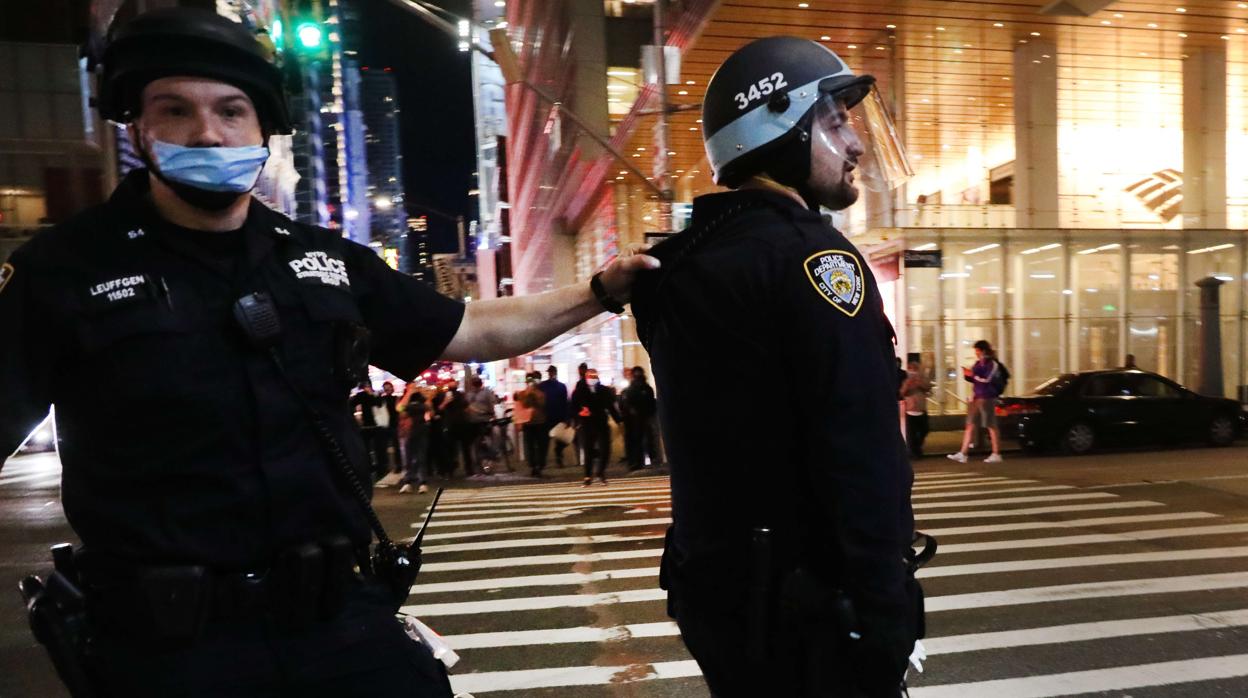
(759, 90)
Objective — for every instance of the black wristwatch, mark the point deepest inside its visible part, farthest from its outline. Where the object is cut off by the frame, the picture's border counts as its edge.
(600, 292)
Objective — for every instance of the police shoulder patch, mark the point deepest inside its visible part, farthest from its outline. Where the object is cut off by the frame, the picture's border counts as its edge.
(6, 273)
(837, 276)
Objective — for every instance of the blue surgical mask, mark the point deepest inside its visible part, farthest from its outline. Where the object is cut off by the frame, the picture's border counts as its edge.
(212, 169)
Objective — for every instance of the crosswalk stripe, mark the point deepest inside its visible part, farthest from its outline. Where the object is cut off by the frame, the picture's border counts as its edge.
(1095, 680)
(579, 493)
(617, 538)
(560, 677)
(567, 487)
(934, 604)
(561, 636)
(945, 476)
(1082, 632)
(1083, 561)
(1092, 590)
(539, 580)
(1128, 537)
(593, 526)
(975, 482)
(536, 543)
(530, 560)
(952, 644)
(534, 603)
(1069, 523)
(574, 578)
(1019, 500)
(977, 493)
(597, 503)
(1005, 513)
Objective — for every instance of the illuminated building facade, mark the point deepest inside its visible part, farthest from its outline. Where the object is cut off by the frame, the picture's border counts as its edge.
(1075, 175)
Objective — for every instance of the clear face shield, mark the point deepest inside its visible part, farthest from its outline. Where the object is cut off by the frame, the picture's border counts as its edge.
(862, 140)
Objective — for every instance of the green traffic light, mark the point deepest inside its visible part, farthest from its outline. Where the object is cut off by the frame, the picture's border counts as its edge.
(279, 41)
(310, 35)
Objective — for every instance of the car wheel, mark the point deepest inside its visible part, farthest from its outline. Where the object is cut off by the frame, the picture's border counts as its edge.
(1222, 431)
(1078, 439)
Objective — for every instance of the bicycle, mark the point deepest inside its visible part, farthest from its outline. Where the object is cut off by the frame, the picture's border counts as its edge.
(494, 444)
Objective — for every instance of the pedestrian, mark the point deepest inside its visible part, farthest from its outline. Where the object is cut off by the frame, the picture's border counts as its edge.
(220, 498)
(639, 408)
(556, 410)
(987, 377)
(459, 430)
(579, 393)
(389, 434)
(1129, 364)
(416, 465)
(592, 408)
(368, 408)
(534, 431)
(802, 587)
(914, 392)
(481, 401)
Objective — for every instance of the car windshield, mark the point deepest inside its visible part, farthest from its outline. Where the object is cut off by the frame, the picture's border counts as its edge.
(1054, 385)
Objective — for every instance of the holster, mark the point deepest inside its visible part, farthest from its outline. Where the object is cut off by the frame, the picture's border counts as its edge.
(56, 610)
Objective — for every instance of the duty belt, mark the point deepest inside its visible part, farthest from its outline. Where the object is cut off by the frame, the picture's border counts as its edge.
(304, 584)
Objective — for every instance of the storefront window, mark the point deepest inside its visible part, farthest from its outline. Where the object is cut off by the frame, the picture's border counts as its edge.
(1096, 300)
(1037, 278)
(1152, 329)
(1214, 256)
(973, 294)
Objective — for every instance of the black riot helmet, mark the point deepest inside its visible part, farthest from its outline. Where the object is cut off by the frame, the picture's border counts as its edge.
(186, 41)
(760, 104)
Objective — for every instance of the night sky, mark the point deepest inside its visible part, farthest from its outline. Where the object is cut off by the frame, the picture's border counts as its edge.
(435, 96)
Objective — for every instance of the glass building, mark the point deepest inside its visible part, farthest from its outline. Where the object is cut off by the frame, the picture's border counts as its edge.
(1076, 168)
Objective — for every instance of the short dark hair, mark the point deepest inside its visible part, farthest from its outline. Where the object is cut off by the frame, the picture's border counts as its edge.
(552, 370)
(983, 346)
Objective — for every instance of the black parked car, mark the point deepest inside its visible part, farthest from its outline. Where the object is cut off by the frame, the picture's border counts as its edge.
(1076, 412)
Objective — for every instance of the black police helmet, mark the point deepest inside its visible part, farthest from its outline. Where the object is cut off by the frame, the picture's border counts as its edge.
(187, 41)
(756, 113)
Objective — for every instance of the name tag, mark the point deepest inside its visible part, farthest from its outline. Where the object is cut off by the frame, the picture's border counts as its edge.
(120, 291)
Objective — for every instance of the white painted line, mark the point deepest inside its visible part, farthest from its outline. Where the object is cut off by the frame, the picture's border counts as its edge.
(974, 493)
(1093, 590)
(620, 502)
(1084, 561)
(572, 490)
(527, 504)
(533, 603)
(1091, 538)
(977, 482)
(536, 543)
(1004, 513)
(539, 580)
(442, 523)
(952, 644)
(570, 486)
(577, 578)
(582, 494)
(1069, 523)
(530, 560)
(486, 681)
(1096, 680)
(561, 528)
(1019, 500)
(562, 636)
(946, 476)
(1082, 632)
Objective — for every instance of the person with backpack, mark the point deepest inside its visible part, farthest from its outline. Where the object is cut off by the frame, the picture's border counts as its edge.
(989, 378)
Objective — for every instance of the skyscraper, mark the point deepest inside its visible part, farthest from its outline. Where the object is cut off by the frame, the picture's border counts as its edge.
(380, 105)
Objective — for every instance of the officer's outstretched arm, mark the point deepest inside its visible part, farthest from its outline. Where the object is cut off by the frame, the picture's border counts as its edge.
(26, 356)
(506, 327)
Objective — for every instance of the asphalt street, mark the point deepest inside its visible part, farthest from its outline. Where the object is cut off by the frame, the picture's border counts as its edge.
(1121, 574)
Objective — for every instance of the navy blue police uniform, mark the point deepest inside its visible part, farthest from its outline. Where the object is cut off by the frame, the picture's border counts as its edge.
(184, 448)
(761, 286)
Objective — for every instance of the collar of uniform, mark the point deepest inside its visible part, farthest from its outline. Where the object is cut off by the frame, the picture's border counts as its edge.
(708, 206)
(133, 197)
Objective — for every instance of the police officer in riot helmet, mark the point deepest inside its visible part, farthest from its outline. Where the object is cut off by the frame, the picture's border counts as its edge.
(789, 565)
(222, 498)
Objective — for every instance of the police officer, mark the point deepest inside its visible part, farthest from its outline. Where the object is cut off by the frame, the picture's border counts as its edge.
(803, 589)
(222, 339)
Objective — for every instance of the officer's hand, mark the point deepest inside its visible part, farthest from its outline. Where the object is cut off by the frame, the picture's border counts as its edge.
(618, 276)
